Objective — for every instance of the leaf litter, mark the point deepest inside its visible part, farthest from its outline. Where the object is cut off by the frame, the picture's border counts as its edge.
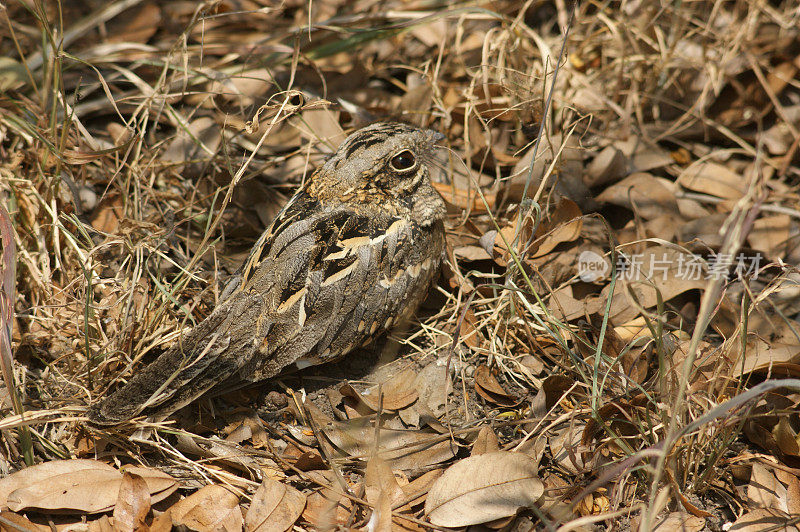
(566, 369)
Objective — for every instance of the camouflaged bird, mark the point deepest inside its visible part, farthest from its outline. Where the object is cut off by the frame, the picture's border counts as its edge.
(351, 254)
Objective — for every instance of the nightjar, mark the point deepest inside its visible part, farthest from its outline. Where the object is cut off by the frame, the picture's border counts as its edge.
(351, 254)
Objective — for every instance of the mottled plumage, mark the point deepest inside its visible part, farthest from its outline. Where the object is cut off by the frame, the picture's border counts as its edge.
(351, 254)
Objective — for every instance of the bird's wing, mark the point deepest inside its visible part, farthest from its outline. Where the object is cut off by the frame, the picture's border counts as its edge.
(337, 280)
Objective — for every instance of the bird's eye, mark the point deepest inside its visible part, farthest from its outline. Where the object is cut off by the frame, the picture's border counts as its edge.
(403, 161)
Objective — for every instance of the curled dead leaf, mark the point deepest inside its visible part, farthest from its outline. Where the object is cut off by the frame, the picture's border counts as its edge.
(487, 387)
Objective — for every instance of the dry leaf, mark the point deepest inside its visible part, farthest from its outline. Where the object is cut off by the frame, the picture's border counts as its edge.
(679, 521)
(433, 385)
(764, 519)
(765, 490)
(379, 479)
(88, 490)
(325, 509)
(75, 485)
(41, 472)
(714, 179)
(658, 270)
(551, 392)
(471, 253)
(275, 507)
(565, 447)
(321, 125)
(212, 508)
(383, 492)
(483, 488)
(420, 486)
(643, 193)
(465, 198)
(133, 504)
(199, 139)
(486, 442)
(20, 521)
(608, 166)
(108, 213)
(771, 235)
(137, 25)
(398, 392)
(403, 449)
(563, 225)
(487, 387)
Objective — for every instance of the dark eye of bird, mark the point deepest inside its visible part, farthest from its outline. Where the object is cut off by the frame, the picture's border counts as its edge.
(403, 160)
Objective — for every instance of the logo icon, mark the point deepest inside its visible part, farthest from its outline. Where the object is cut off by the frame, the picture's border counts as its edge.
(591, 266)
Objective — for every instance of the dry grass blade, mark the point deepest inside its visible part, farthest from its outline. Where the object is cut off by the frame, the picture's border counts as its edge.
(7, 298)
(7, 304)
(619, 301)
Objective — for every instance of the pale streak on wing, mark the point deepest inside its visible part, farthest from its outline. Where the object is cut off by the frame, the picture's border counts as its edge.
(341, 274)
(286, 305)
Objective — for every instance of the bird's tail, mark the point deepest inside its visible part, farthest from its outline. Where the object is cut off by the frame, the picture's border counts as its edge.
(209, 354)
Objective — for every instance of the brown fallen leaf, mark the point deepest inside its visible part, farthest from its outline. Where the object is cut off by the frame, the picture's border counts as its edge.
(398, 392)
(487, 387)
(383, 492)
(772, 235)
(87, 491)
(104, 524)
(642, 192)
(321, 124)
(403, 449)
(486, 442)
(551, 392)
(378, 478)
(679, 521)
(21, 522)
(608, 166)
(107, 214)
(86, 486)
(765, 490)
(764, 519)
(162, 522)
(563, 225)
(433, 385)
(420, 486)
(34, 474)
(325, 509)
(198, 139)
(137, 26)
(212, 508)
(714, 179)
(160, 484)
(464, 198)
(658, 268)
(275, 507)
(483, 488)
(133, 504)
(565, 447)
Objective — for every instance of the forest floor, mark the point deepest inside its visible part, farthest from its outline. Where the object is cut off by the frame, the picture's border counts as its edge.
(613, 342)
